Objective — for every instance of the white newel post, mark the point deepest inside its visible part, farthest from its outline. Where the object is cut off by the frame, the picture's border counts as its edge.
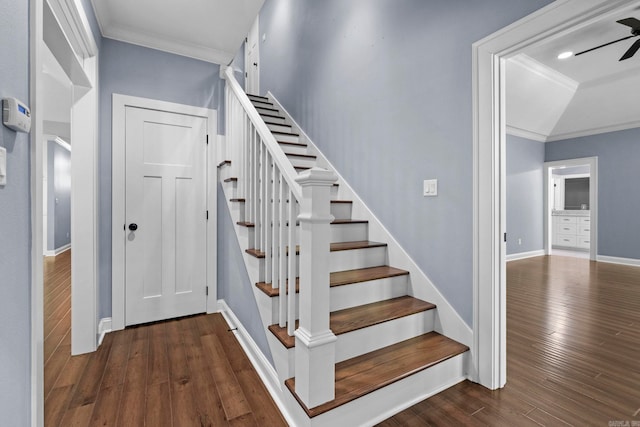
(315, 343)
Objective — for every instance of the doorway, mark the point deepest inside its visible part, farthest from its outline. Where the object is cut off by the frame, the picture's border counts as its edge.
(489, 219)
(252, 60)
(168, 124)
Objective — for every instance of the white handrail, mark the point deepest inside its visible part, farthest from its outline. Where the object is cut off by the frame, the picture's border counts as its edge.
(278, 156)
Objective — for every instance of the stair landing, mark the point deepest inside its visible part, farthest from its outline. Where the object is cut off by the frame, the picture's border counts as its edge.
(369, 372)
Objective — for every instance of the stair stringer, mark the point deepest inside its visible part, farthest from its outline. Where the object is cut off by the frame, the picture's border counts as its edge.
(448, 322)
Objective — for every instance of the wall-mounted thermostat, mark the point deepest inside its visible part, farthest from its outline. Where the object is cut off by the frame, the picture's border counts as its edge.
(16, 115)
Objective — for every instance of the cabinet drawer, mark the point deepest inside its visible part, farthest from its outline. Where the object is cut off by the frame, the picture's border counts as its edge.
(584, 242)
(567, 228)
(567, 220)
(585, 220)
(584, 230)
(566, 240)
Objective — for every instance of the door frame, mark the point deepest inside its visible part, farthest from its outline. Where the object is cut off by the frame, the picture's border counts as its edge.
(119, 104)
(255, 72)
(488, 353)
(593, 201)
(76, 44)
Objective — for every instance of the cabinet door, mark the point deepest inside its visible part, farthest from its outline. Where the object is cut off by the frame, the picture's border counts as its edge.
(567, 240)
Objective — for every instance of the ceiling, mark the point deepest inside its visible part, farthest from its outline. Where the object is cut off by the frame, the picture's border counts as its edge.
(550, 99)
(209, 30)
(56, 97)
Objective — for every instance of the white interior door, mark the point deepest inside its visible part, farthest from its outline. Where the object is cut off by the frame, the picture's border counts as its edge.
(165, 269)
(252, 60)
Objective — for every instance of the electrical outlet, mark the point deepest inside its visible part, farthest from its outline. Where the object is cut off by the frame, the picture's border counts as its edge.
(519, 241)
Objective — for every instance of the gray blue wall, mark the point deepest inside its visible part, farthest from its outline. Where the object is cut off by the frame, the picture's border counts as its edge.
(15, 228)
(383, 87)
(618, 192)
(233, 281)
(138, 71)
(525, 195)
(59, 197)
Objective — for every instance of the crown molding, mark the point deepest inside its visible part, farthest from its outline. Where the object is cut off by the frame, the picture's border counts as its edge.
(523, 133)
(546, 72)
(160, 43)
(595, 131)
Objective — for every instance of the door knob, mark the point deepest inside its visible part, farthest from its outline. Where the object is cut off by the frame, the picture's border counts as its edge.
(133, 226)
(255, 64)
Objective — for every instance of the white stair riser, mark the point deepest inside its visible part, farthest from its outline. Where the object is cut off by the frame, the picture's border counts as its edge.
(232, 188)
(262, 103)
(385, 402)
(303, 162)
(341, 210)
(357, 258)
(286, 138)
(267, 111)
(283, 359)
(349, 232)
(237, 211)
(353, 295)
(277, 119)
(356, 294)
(364, 340)
(361, 341)
(294, 149)
(277, 127)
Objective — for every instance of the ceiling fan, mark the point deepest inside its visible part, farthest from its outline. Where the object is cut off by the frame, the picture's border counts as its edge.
(635, 32)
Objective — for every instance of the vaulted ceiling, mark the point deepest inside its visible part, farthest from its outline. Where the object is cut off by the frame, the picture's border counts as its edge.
(550, 99)
(210, 30)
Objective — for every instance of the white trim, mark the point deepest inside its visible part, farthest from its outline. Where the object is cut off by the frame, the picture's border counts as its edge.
(265, 370)
(593, 200)
(524, 255)
(119, 104)
(58, 251)
(104, 327)
(36, 37)
(523, 133)
(451, 324)
(595, 131)
(552, 21)
(544, 71)
(617, 260)
(73, 20)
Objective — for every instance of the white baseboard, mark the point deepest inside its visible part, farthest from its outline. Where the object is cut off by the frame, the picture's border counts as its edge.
(264, 368)
(104, 327)
(58, 251)
(523, 255)
(616, 260)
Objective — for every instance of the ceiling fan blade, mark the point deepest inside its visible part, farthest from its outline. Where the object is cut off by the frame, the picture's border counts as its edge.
(630, 22)
(632, 50)
(603, 45)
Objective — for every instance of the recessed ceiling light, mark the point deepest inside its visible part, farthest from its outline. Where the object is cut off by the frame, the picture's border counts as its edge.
(565, 55)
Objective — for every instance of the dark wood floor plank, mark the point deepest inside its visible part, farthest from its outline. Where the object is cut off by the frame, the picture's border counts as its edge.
(158, 406)
(158, 358)
(105, 412)
(78, 417)
(133, 401)
(233, 399)
(88, 386)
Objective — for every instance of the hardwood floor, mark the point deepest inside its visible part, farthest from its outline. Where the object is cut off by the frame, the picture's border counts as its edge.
(573, 340)
(573, 349)
(184, 372)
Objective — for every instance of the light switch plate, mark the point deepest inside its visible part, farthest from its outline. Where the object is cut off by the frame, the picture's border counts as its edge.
(430, 187)
(3, 166)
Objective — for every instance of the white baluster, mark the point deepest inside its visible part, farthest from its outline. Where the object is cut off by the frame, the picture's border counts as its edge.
(292, 264)
(268, 249)
(282, 248)
(275, 229)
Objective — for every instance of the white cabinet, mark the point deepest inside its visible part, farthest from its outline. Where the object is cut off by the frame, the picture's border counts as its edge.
(572, 231)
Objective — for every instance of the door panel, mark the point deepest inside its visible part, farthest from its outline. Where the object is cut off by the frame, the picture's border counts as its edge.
(165, 256)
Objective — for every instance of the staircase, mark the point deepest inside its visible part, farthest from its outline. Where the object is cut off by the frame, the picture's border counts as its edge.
(350, 345)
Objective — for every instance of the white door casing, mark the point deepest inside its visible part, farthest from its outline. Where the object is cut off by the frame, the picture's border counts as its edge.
(171, 112)
(489, 56)
(166, 200)
(252, 60)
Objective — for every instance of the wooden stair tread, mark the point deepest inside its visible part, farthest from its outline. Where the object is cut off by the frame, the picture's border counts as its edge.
(335, 247)
(268, 109)
(334, 222)
(261, 101)
(362, 316)
(250, 95)
(306, 156)
(275, 132)
(275, 116)
(224, 163)
(341, 278)
(278, 124)
(232, 179)
(369, 372)
(296, 144)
